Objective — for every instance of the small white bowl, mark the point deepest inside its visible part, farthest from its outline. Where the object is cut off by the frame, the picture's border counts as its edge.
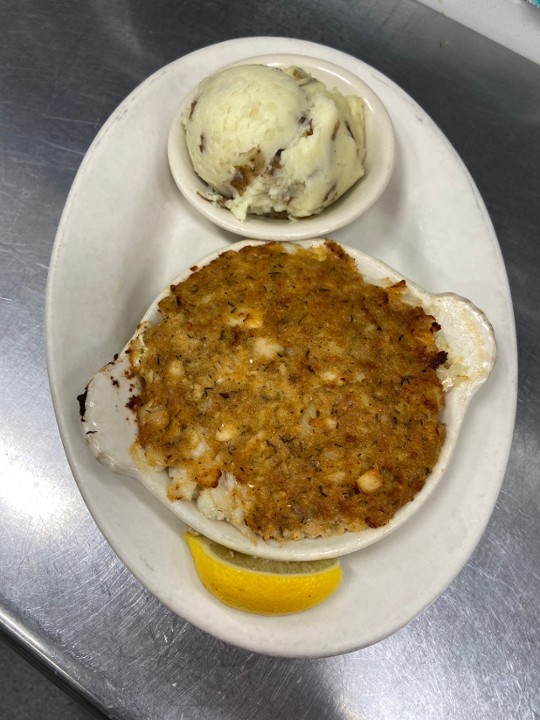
(378, 164)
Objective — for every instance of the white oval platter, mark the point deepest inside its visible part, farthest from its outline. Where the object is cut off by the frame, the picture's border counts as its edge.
(126, 232)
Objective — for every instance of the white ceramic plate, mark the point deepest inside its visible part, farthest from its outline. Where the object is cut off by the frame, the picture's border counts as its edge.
(124, 235)
(378, 164)
(111, 431)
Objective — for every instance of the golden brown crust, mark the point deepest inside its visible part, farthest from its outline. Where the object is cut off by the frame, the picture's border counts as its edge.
(317, 390)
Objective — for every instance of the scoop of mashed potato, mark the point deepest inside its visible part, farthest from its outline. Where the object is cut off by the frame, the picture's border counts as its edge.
(274, 142)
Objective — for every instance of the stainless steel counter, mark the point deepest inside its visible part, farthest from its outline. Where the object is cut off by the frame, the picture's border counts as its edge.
(64, 595)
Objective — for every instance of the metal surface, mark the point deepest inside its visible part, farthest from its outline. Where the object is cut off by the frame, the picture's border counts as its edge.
(64, 595)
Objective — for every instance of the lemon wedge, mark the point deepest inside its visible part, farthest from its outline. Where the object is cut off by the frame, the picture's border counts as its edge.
(266, 587)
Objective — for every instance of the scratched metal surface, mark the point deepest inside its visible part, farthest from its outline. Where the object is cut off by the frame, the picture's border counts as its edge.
(64, 596)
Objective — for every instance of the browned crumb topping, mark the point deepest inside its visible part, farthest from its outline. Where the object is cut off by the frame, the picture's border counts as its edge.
(317, 390)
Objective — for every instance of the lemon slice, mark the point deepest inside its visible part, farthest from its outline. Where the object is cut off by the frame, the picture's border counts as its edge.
(266, 587)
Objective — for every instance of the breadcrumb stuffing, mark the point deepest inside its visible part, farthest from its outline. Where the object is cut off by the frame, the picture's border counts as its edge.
(289, 396)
